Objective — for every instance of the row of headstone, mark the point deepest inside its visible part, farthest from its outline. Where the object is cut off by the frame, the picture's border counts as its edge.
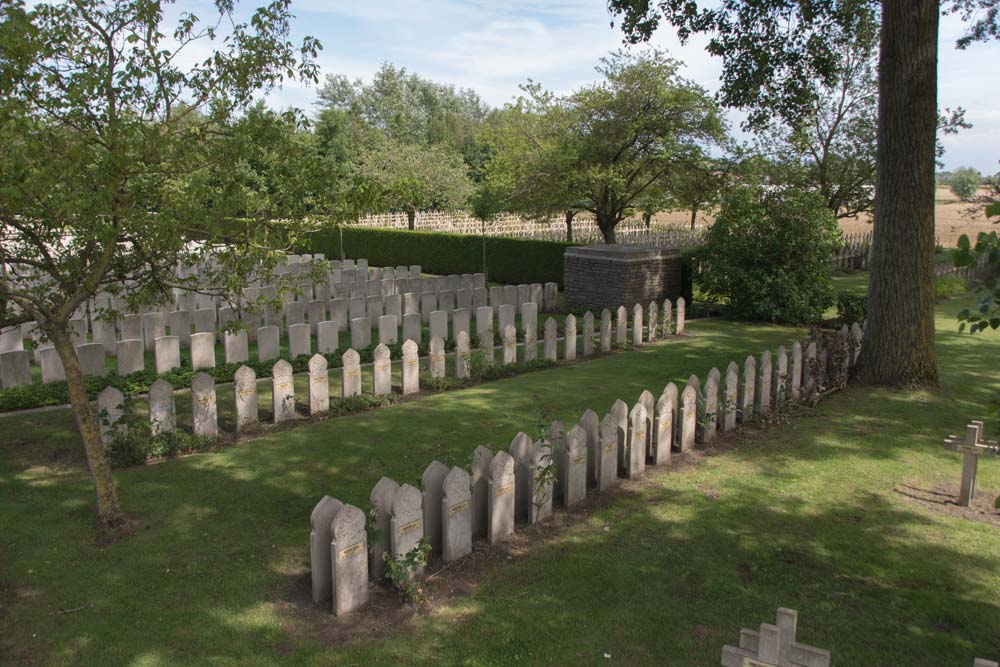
(455, 506)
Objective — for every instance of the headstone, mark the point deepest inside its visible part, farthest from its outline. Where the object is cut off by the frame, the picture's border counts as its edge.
(374, 307)
(130, 357)
(666, 411)
(681, 306)
(482, 457)
(394, 307)
(502, 492)
(748, 390)
(130, 326)
(203, 406)
(621, 413)
(349, 554)
(407, 524)
(541, 484)
(780, 381)
(520, 451)
(319, 385)
(154, 325)
(809, 369)
(236, 347)
(796, 371)
(202, 350)
(637, 325)
(588, 333)
(573, 468)
(245, 395)
(461, 320)
(268, 343)
(654, 321)
(857, 335)
(774, 646)
(730, 397)
(340, 312)
(412, 329)
(15, 368)
(711, 425)
(327, 337)
(462, 353)
(524, 294)
(764, 385)
(605, 330)
(569, 342)
(456, 515)
(506, 315)
(688, 417)
(446, 300)
(411, 368)
(299, 340)
(204, 320)
(497, 296)
(510, 295)
(428, 304)
(317, 313)
(439, 324)
(551, 296)
(110, 409)
(436, 360)
(91, 358)
(591, 429)
(484, 330)
(283, 392)
(162, 412)
(529, 322)
(635, 459)
(607, 468)
(621, 326)
(388, 331)
(549, 347)
(509, 337)
(320, 522)
(351, 374)
(381, 515)
(381, 371)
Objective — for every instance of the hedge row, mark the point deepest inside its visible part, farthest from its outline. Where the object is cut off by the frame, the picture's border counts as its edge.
(510, 261)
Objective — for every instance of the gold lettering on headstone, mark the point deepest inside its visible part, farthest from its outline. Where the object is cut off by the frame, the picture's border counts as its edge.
(610, 447)
(753, 662)
(580, 459)
(437, 358)
(411, 362)
(382, 366)
(247, 392)
(458, 508)
(350, 551)
(354, 372)
(320, 378)
(408, 528)
(206, 400)
(639, 434)
(503, 490)
(283, 385)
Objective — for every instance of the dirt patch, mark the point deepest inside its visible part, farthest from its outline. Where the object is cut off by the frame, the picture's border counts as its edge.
(944, 500)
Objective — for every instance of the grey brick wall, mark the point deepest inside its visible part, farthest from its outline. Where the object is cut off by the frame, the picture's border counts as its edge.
(608, 276)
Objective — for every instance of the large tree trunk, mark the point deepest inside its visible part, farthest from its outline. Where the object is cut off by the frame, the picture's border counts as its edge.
(411, 218)
(607, 223)
(569, 226)
(109, 513)
(899, 337)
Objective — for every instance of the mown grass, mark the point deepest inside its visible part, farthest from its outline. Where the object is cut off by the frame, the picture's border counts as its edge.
(805, 515)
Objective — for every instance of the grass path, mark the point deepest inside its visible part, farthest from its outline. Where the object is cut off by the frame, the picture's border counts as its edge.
(804, 516)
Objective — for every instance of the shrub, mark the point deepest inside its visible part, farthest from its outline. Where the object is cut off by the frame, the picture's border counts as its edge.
(768, 254)
(851, 307)
(507, 260)
(946, 287)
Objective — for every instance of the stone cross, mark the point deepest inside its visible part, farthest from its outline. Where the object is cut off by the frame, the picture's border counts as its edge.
(351, 374)
(607, 465)
(381, 371)
(411, 368)
(774, 646)
(381, 511)
(282, 392)
(462, 352)
(349, 556)
(605, 330)
(319, 385)
(204, 411)
(569, 344)
(431, 482)
(588, 333)
(110, 408)
(437, 359)
(482, 457)
(407, 524)
(319, 547)
(573, 467)
(245, 393)
(971, 448)
(456, 515)
(502, 492)
(162, 413)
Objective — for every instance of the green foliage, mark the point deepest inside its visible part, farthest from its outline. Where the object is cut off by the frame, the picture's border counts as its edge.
(403, 572)
(964, 181)
(768, 253)
(947, 287)
(851, 307)
(507, 260)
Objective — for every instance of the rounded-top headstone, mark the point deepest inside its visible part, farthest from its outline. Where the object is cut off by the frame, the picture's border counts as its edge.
(381, 352)
(282, 369)
(409, 348)
(502, 465)
(318, 363)
(350, 358)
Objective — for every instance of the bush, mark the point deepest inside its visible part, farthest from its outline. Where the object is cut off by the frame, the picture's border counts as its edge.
(851, 307)
(511, 261)
(946, 287)
(768, 254)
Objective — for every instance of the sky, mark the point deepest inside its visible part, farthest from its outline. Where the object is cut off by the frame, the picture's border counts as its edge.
(493, 46)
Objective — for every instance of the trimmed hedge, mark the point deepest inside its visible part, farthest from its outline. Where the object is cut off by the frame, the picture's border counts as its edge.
(511, 261)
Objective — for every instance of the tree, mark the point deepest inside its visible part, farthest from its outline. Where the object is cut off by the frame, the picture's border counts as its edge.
(964, 181)
(768, 254)
(115, 157)
(410, 109)
(775, 53)
(699, 184)
(410, 177)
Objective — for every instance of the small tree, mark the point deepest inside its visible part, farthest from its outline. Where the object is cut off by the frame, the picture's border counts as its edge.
(964, 181)
(115, 158)
(768, 254)
(411, 177)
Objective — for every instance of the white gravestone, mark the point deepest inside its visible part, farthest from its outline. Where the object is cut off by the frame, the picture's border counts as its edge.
(167, 353)
(202, 350)
(162, 413)
(573, 470)
(688, 417)
(407, 524)
(541, 486)
(748, 390)
(550, 347)
(283, 392)
(666, 410)
(381, 512)
(245, 395)
(591, 426)
(636, 455)
(268, 343)
(520, 451)
(509, 337)
(319, 547)
(730, 397)
(502, 492)
(456, 515)
(204, 411)
(569, 344)
(605, 330)
(351, 374)
(349, 556)
(381, 371)
(411, 368)
(588, 333)
(462, 353)
(637, 325)
(431, 483)
(436, 359)
(482, 457)
(319, 385)
(130, 357)
(110, 409)
(607, 468)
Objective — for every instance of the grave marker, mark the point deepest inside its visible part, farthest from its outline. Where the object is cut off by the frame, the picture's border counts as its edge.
(549, 348)
(573, 467)
(509, 336)
(605, 330)
(541, 484)
(456, 515)
(351, 374)
(349, 556)
(971, 448)
(245, 394)
(666, 411)
(162, 413)
(569, 337)
(588, 333)
(502, 491)
(110, 409)
(635, 458)
(591, 426)
(268, 343)
(774, 646)
(637, 325)
(204, 411)
(407, 524)
(411, 368)
(319, 385)
(130, 357)
(607, 467)
(381, 499)
(283, 392)
(320, 521)
(381, 371)
(436, 359)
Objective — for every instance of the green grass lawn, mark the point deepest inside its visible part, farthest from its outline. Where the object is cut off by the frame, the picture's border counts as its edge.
(806, 515)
